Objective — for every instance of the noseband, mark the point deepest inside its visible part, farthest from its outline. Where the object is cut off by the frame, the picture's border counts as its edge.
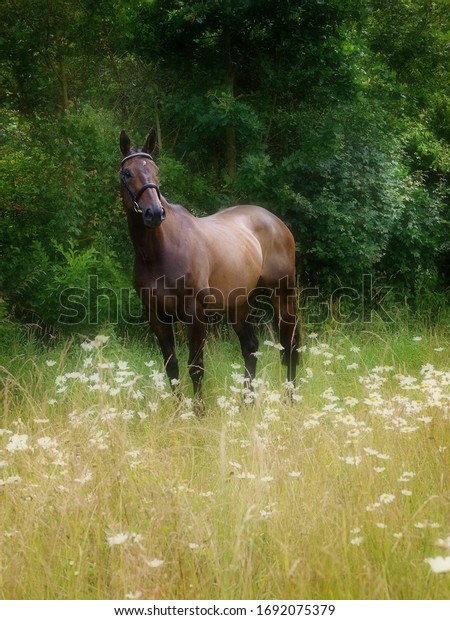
(135, 197)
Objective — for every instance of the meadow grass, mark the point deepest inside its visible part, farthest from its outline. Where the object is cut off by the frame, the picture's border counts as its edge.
(111, 488)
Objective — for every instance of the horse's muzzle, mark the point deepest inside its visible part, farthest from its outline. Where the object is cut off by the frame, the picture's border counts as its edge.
(153, 217)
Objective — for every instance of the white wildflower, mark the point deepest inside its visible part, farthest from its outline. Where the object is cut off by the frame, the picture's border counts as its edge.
(246, 475)
(86, 477)
(439, 564)
(99, 340)
(46, 443)
(17, 443)
(352, 460)
(11, 480)
(87, 345)
(187, 415)
(373, 507)
(235, 464)
(118, 539)
(444, 543)
(155, 563)
(386, 498)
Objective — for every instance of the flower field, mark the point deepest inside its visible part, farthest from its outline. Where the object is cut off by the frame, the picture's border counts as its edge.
(111, 487)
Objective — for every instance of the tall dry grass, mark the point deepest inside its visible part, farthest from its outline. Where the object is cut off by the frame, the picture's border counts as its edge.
(112, 489)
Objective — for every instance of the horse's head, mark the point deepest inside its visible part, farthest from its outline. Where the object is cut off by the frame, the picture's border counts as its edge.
(139, 181)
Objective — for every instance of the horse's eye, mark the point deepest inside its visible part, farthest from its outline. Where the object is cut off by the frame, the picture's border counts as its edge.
(127, 173)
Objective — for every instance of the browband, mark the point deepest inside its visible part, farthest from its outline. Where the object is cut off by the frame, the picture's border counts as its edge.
(135, 155)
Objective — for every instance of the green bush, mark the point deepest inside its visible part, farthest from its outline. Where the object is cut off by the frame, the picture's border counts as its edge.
(63, 217)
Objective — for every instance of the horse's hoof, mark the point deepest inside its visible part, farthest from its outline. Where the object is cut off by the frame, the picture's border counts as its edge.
(200, 409)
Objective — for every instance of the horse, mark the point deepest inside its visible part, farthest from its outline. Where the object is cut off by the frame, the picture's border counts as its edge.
(190, 268)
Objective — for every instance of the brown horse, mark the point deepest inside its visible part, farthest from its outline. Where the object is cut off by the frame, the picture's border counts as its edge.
(188, 268)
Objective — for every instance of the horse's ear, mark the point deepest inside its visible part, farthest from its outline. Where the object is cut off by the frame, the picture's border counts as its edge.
(125, 144)
(150, 143)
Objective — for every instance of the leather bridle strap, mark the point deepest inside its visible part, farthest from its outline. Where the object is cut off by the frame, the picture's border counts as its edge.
(135, 155)
(135, 197)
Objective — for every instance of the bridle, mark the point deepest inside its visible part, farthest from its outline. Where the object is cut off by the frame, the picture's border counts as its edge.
(135, 197)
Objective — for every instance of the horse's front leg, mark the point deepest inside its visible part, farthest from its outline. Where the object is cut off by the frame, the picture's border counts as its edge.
(196, 332)
(166, 339)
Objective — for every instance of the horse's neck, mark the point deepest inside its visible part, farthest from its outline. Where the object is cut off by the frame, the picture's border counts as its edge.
(151, 244)
(146, 241)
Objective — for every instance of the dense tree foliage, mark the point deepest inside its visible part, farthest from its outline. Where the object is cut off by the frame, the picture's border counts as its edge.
(332, 113)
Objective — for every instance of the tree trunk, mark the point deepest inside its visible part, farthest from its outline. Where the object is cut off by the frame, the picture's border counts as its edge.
(63, 85)
(230, 150)
(230, 130)
(158, 125)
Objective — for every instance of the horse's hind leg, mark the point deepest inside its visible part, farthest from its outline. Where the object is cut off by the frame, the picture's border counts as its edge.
(283, 300)
(249, 343)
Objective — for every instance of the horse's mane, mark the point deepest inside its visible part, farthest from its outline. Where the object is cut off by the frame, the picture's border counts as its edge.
(177, 207)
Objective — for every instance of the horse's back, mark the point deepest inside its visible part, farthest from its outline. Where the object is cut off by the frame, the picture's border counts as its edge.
(253, 214)
(251, 218)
